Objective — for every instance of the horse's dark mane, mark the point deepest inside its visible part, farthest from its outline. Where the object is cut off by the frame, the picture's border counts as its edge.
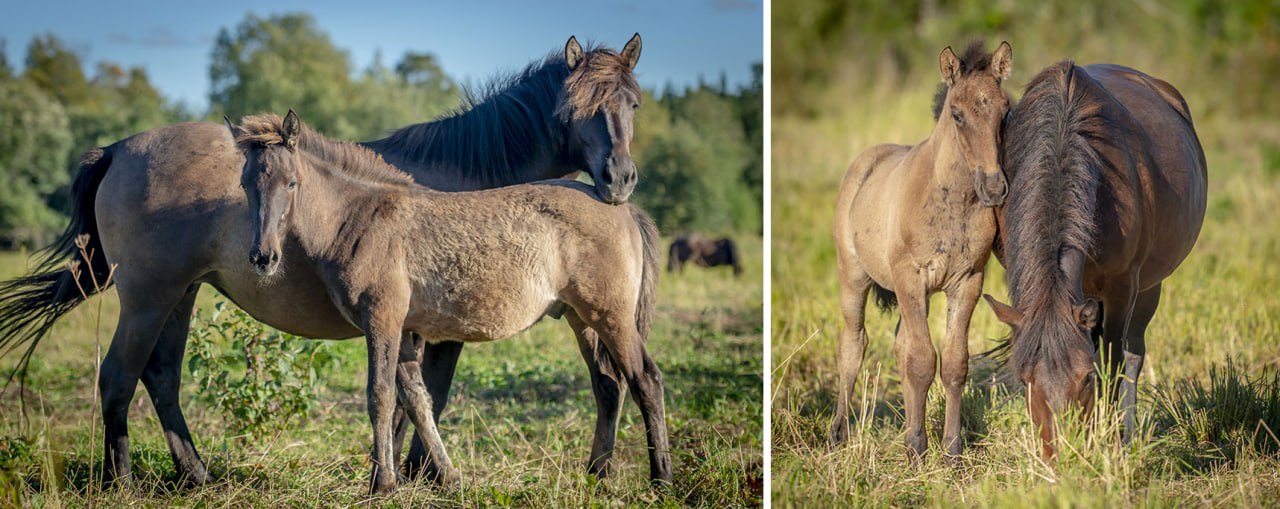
(352, 160)
(975, 58)
(1054, 174)
(513, 121)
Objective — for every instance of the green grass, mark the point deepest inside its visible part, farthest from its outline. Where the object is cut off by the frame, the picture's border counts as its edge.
(1207, 396)
(518, 425)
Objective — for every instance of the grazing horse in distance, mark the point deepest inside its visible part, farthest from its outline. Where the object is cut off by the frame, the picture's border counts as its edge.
(1107, 197)
(914, 220)
(471, 266)
(703, 252)
(167, 208)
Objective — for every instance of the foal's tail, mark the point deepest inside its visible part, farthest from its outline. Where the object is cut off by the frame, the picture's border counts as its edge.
(886, 300)
(649, 277)
(64, 277)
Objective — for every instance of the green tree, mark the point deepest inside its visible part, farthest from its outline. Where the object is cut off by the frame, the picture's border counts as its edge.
(56, 70)
(281, 62)
(34, 143)
(418, 90)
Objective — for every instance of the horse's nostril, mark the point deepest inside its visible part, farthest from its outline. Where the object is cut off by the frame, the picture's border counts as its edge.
(275, 257)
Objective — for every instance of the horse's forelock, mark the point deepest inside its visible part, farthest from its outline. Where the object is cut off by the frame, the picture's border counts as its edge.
(594, 84)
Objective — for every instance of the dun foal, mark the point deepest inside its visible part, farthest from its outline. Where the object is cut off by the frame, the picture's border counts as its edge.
(395, 257)
(912, 221)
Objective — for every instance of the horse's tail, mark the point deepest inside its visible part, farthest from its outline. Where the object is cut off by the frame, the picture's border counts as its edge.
(64, 277)
(649, 276)
(886, 300)
(673, 256)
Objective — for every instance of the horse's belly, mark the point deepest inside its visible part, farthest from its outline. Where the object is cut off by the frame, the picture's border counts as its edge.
(479, 310)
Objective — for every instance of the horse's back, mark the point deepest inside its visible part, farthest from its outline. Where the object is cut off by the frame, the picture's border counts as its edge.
(1169, 174)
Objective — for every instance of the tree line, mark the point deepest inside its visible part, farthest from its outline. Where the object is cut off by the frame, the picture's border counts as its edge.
(699, 149)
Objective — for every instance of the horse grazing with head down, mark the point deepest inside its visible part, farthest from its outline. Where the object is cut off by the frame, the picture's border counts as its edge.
(470, 266)
(703, 252)
(166, 207)
(1107, 196)
(911, 221)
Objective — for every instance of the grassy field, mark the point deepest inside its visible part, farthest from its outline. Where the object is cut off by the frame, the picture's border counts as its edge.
(518, 425)
(1209, 396)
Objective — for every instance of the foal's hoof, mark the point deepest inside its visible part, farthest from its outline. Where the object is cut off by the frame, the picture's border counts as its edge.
(838, 434)
(382, 490)
(451, 478)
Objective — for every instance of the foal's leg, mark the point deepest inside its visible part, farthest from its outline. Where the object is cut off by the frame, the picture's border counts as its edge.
(439, 361)
(955, 356)
(417, 404)
(141, 319)
(163, 378)
(645, 379)
(917, 360)
(852, 346)
(382, 335)
(609, 392)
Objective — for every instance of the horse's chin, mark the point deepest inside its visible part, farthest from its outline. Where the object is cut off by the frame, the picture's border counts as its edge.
(266, 271)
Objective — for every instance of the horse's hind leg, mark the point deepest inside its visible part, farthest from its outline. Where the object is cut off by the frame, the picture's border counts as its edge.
(645, 380)
(141, 319)
(163, 378)
(852, 346)
(955, 356)
(609, 390)
(416, 402)
(439, 361)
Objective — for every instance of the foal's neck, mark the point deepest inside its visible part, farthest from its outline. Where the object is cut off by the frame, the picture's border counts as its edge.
(334, 208)
(949, 169)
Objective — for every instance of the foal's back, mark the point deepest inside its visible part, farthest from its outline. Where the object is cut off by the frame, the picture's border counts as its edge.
(491, 263)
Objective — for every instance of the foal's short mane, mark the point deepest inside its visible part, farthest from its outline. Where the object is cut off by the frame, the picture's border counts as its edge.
(493, 135)
(1055, 174)
(353, 160)
(975, 59)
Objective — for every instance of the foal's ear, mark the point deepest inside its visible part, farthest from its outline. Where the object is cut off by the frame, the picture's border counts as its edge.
(1087, 313)
(949, 65)
(292, 129)
(1002, 61)
(236, 131)
(572, 53)
(631, 52)
(1003, 311)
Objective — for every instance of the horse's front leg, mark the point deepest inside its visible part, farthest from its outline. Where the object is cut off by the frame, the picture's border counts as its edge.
(382, 334)
(417, 405)
(955, 356)
(917, 360)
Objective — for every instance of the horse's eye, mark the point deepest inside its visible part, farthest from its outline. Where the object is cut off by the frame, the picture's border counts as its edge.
(635, 106)
(293, 184)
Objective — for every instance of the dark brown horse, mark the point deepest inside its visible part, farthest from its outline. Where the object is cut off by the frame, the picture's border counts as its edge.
(1107, 197)
(471, 266)
(703, 252)
(167, 207)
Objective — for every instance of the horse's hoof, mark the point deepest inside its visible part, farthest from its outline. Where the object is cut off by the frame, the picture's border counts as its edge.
(600, 469)
(194, 479)
(451, 478)
(382, 490)
(838, 435)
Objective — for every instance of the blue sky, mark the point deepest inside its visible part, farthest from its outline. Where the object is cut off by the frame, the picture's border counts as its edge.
(683, 40)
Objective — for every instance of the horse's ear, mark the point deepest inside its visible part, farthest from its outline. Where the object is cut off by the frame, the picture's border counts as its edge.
(236, 131)
(1087, 313)
(572, 53)
(1004, 312)
(631, 52)
(1002, 61)
(949, 65)
(292, 129)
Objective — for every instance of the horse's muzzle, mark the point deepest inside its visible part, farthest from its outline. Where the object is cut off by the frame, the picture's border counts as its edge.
(265, 263)
(992, 188)
(617, 181)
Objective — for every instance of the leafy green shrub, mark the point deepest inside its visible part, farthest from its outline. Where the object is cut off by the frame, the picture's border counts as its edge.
(17, 461)
(258, 378)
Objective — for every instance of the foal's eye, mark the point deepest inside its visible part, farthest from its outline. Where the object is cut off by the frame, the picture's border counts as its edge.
(957, 117)
(635, 106)
(293, 184)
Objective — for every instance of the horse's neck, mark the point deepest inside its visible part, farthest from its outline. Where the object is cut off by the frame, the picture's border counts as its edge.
(946, 166)
(331, 203)
(471, 151)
